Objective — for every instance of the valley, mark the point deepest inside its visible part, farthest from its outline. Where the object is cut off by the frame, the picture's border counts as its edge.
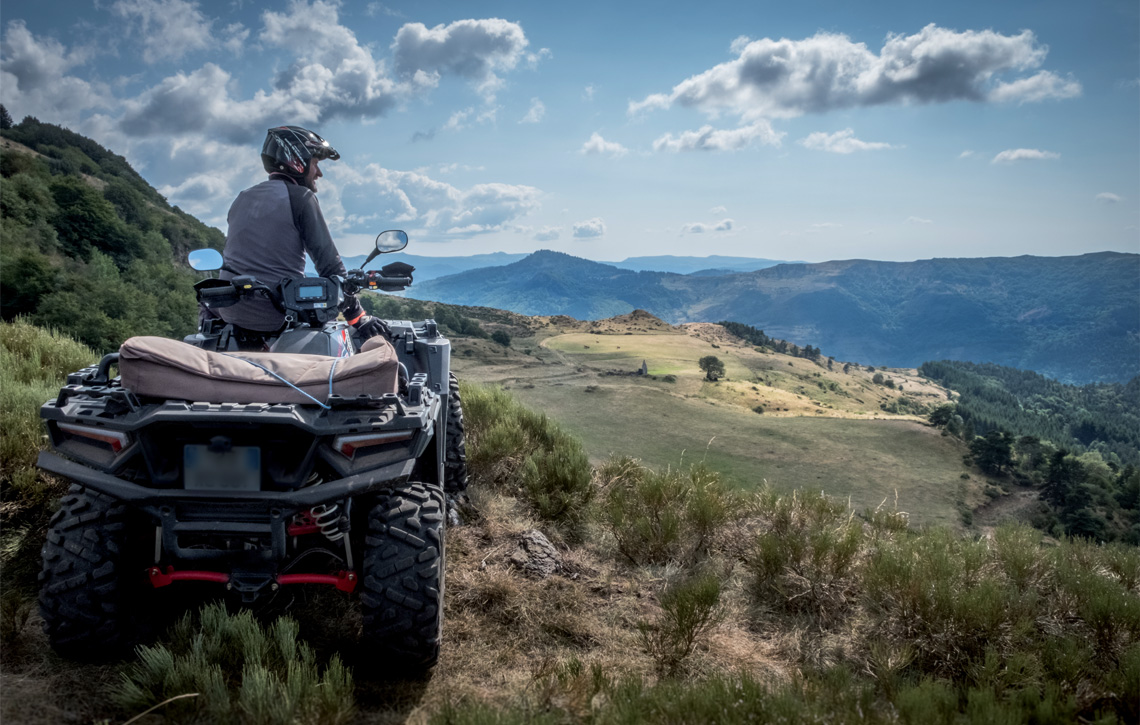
(820, 429)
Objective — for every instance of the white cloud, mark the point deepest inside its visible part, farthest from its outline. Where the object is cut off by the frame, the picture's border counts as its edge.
(375, 8)
(236, 35)
(458, 120)
(707, 138)
(589, 229)
(739, 44)
(547, 234)
(841, 142)
(588, 93)
(1043, 86)
(966, 154)
(472, 49)
(200, 103)
(536, 113)
(598, 145)
(918, 220)
(724, 225)
(452, 168)
(786, 78)
(34, 80)
(1108, 197)
(1011, 155)
(718, 210)
(409, 196)
(169, 28)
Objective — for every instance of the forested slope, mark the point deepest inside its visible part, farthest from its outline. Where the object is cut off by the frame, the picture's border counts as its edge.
(88, 247)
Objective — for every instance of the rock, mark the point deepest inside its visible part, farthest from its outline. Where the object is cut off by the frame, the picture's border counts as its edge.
(536, 556)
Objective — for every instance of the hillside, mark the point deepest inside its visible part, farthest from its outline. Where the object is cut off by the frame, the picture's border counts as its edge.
(670, 597)
(1075, 319)
(88, 247)
(772, 417)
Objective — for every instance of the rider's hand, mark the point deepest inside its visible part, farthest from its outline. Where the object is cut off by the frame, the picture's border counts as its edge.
(369, 326)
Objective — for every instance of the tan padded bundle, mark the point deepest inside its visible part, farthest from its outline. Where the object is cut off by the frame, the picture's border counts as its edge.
(161, 368)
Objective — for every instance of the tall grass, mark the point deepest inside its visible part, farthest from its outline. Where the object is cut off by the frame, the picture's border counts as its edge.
(239, 672)
(34, 364)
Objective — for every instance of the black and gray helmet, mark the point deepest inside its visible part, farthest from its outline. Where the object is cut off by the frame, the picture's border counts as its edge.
(289, 149)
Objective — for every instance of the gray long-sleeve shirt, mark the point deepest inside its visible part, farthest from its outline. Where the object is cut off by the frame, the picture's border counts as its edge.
(271, 227)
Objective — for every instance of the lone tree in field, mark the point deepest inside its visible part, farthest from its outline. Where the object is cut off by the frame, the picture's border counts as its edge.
(501, 337)
(712, 366)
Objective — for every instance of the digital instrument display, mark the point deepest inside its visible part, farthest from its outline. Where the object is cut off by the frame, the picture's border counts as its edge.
(310, 292)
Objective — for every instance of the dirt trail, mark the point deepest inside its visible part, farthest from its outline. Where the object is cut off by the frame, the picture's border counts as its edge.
(1016, 506)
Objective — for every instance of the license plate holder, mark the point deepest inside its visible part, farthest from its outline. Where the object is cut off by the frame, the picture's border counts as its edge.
(238, 469)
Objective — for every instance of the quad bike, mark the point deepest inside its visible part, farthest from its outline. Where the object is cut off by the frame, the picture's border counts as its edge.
(319, 462)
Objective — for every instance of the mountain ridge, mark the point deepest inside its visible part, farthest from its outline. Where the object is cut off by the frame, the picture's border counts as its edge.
(1073, 318)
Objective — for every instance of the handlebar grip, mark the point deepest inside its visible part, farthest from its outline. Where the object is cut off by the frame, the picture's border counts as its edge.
(388, 284)
(216, 292)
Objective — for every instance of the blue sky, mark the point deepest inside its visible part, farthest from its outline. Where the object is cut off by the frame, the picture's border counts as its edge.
(810, 131)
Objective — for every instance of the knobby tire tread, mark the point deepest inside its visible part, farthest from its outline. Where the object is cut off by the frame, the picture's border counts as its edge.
(402, 579)
(455, 454)
(83, 597)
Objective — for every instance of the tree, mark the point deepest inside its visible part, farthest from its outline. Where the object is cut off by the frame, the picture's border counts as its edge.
(878, 379)
(501, 337)
(994, 452)
(712, 367)
(5, 119)
(1064, 476)
(943, 415)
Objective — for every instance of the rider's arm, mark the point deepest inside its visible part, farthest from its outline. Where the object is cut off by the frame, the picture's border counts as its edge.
(310, 222)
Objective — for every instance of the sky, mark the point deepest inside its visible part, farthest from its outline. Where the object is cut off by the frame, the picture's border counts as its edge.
(807, 131)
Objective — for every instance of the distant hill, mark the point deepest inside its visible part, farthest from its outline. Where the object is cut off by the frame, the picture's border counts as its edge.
(1075, 319)
(433, 267)
(713, 264)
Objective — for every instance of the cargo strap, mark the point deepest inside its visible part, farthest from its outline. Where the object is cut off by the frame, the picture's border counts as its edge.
(332, 371)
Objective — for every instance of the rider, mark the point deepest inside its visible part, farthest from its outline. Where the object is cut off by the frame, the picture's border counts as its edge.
(273, 224)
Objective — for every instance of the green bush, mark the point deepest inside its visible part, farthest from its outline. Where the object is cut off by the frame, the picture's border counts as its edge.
(665, 516)
(241, 672)
(690, 608)
(514, 449)
(804, 562)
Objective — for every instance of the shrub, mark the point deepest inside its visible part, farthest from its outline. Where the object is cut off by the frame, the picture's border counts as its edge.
(241, 671)
(33, 366)
(804, 562)
(690, 608)
(514, 449)
(667, 516)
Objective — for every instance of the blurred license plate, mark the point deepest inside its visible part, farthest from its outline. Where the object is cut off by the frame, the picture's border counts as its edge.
(238, 469)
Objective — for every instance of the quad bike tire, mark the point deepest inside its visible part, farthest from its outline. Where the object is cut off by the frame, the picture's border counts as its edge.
(455, 455)
(84, 588)
(402, 577)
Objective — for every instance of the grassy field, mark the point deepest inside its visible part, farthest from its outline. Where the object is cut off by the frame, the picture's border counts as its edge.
(821, 429)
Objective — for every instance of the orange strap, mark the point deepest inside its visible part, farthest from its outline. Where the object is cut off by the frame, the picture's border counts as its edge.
(356, 319)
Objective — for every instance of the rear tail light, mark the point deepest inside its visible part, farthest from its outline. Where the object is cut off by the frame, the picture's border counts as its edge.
(113, 438)
(347, 446)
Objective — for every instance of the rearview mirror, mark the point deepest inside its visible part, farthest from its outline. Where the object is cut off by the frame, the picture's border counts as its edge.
(392, 240)
(205, 260)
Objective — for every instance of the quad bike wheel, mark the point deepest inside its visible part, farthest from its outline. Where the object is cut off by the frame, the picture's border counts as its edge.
(402, 577)
(85, 592)
(455, 460)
